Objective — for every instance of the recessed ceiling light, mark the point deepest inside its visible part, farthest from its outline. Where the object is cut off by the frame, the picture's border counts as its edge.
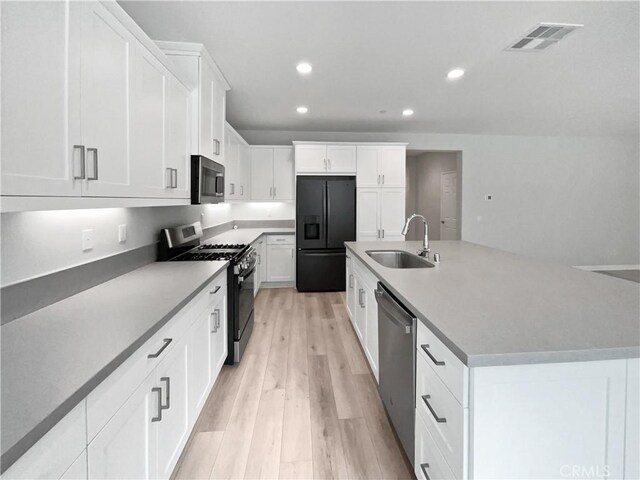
(407, 112)
(304, 68)
(455, 73)
(302, 109)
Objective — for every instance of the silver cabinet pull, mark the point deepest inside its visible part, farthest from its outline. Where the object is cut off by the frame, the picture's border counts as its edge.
(167, 382)
(233, 188)
(169, 177)
(158, 418)
(270, 192)
(329, 162)
(216, 146)
(425, 347)
(383, 179)
(351, 280)
(174, 178)
(424, 467)
(217, 311)
(95, 163)
(275, 192)
(166, 341)
(214, 317)
(259, 259)
(360, 301)
(215, 290)
(241, 189)
(382, 233)
(425, 399)
(379, 180)
(82, 165)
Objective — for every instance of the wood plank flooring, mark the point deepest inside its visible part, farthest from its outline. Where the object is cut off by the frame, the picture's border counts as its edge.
(302, 404)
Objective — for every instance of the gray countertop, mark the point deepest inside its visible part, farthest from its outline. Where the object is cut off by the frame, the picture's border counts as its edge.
(54, 357)
(495, 308)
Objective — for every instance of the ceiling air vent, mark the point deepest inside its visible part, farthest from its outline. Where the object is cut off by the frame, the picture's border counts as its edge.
(542, 36)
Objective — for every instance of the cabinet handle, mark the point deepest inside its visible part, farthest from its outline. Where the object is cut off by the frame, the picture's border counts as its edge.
(383, 179)
(82, 165)
(217, 310)
(215, 322)
(379, 180)
(216, 143)
(425, 347)
(169, 177)
(329, 162)
(360, 301)
(167, 382)
(158, 418)
(424, 467)
(274, 192)
(425, 399)
(259, 259)
(175, 178)
(292, 253)
(95, 163)
(351, 280)
(379, 234)
(325, 164)
(166, 341)
(233, 188)
(215, 290)
(241, 189)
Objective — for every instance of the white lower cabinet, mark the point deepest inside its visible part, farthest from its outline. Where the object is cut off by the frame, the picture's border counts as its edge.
(281, 258)
(261, 263)
(363, 309)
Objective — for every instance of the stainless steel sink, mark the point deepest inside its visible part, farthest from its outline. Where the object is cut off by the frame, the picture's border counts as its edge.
(399, 259)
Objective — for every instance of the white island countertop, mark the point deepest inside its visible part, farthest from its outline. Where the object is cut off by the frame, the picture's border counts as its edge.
(491, 307)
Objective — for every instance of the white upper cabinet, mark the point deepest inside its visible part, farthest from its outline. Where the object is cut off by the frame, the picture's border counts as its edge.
(381, 166)
(236, 174)
(392, 213)
(334, 159)
(380, 214)
(272, 173)
(111, 116)
(40, 119)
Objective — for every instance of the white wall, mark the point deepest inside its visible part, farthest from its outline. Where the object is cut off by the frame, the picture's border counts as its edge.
(37, 243)
(427, 169)
(572, 200)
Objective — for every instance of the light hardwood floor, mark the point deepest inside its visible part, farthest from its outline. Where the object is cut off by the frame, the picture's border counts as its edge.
(302, 403)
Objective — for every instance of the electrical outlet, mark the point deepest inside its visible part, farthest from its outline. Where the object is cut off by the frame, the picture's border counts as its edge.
(87, 239)
(488, 196)
(122, 233)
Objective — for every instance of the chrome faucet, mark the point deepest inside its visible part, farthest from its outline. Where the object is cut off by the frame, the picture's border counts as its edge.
(424, 251)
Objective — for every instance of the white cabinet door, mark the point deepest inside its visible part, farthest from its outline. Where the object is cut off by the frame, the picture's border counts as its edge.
(246, 171)
(147, 173)
(261, 265)
(207, 144)
(368, 160)
(360, 310)
(311, 158)
(280, 263)
(219, 345)
(351, 292)
(78, 470)
(371, 329)
(126, 446)
(632, 431)
(261, 174)
(368, 214)
(177, 144)
(341, 159)
(173, 429)
(262, 252)
(218, 108)
(107, 73)
(392, 213)
(393, 167)
(40, 98)
(283, 174)
(231, 168)
(199, 364)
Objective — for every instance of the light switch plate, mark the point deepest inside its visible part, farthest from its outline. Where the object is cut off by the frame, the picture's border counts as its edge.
(87, 239)
(122, 233)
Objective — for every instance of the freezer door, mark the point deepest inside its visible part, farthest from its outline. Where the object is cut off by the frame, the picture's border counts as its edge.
(321, 271)
(311, 213)
(341, 212)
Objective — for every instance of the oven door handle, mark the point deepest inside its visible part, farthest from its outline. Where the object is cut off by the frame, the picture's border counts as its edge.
(242, 277)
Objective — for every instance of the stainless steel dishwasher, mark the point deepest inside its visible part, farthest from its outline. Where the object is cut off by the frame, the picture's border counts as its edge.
(396, 350)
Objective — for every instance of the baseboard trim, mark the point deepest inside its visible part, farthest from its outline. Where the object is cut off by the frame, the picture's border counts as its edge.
(596, 268)
(278, 285)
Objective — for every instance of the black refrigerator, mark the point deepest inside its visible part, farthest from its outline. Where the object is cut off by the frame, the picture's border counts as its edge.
(325, 219)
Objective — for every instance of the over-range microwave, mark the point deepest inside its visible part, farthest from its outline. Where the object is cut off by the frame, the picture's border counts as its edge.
(207, 180)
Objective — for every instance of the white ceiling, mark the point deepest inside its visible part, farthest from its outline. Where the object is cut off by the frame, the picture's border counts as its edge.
(372, 56)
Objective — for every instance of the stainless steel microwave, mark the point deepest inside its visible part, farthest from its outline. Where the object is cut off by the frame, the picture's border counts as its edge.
(207, 180)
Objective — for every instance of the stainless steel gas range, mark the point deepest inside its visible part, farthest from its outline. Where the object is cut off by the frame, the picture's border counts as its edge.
(182, 244)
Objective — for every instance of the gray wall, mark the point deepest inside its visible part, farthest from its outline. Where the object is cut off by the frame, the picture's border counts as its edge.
(571, 200)
(425, 188)
(38, 243)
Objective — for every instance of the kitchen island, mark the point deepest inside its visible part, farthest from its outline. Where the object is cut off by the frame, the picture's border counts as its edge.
(533, 366)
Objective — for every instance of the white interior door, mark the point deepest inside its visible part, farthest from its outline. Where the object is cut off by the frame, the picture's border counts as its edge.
(283, 174)
(367, 166)
(261, 173)
(108, 54)
(448, 206)
(40, 98)
(392, 213)
(367, 218)
(341, 158)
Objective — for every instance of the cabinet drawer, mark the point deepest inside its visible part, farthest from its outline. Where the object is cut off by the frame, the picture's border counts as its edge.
(429, 462)
(444, 416)
(111, 394)
(281, 240)
(447, 366)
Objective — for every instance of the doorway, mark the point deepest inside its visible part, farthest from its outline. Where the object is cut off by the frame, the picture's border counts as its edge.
(434, 191)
